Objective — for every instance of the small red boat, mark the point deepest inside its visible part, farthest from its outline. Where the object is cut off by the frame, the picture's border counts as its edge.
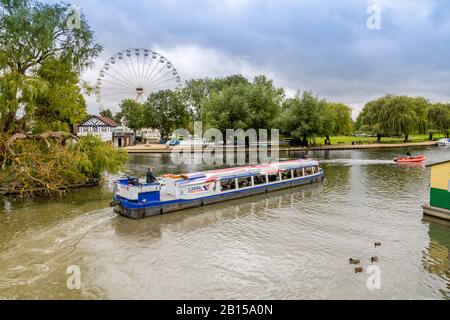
(411, 159)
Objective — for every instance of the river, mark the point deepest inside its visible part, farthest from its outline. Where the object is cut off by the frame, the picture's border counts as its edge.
(292, 244)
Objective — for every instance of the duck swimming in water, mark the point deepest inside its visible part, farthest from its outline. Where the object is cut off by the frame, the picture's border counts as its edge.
(359, 270)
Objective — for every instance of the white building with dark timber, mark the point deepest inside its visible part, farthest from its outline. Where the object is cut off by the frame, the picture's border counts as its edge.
(102, 127)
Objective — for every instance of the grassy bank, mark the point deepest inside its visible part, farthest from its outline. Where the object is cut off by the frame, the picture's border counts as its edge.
(371, 140)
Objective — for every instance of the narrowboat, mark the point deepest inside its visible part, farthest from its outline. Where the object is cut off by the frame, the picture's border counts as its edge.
(138, 200)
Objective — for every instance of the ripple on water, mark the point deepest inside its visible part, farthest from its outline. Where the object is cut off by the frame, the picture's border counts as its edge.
(290, 244)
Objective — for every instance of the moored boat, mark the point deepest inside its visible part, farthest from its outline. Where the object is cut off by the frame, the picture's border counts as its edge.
(444, 142)
(137, 200)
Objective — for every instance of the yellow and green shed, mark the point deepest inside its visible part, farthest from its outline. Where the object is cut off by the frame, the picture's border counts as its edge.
(440, 191)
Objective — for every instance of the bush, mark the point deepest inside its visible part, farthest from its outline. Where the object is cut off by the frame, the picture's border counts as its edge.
(38, 167)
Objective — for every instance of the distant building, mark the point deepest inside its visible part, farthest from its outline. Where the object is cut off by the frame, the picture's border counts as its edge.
(102, 127)
(150, 136)
(440, 191)
(123, 137)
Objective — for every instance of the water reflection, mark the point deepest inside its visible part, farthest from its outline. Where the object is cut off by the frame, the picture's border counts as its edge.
(260, 206)
(437, 257)
(289, 244)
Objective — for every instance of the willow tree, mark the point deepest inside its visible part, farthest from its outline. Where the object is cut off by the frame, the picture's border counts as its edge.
(41, 59)
(395, 115)
(337, 120)
(400, 116)
(32, 34)
(439, 119)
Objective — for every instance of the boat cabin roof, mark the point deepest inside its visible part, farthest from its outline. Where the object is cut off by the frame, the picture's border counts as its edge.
(244, 172)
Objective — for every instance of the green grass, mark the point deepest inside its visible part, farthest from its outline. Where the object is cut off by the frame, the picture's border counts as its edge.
(369, 140)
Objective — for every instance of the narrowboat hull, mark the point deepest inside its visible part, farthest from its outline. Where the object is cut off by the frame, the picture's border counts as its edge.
(137, 211)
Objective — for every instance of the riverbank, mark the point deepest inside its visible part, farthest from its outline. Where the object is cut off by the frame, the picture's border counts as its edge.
(139, 149)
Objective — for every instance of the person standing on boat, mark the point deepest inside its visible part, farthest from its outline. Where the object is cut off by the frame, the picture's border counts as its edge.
(150, 177)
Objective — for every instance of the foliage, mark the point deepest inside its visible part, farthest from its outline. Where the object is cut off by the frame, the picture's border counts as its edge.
(395, 115)
(439, 117)
(302, 116)
(37, 167)
(96, 157)
(60, 103)
(166, 111)
(337, 120)
(41, 59)
(243, 105)
(132, 113)
(107, 113)
(32, 34)
(197, 92)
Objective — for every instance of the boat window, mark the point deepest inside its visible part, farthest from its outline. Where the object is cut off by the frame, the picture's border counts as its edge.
(298, 173)
(316, 169)
(260, 180)
(286, 175)
(227, 185)
(309, 171)
(274, 177)
(244, 182)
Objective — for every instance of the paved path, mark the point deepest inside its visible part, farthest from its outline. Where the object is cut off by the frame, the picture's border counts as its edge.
(164, 149)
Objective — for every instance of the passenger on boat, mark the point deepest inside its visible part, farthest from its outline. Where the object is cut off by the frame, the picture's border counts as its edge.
(409, 155)
(150, 177)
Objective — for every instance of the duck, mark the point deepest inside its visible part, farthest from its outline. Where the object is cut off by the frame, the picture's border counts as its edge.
(377, 244)
(354, 261)
(374, 259)
(359, 270)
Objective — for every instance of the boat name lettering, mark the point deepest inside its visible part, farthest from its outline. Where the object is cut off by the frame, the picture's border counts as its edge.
(198, 189)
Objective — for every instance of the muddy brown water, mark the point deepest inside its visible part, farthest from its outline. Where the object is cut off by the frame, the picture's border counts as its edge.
(291, 244)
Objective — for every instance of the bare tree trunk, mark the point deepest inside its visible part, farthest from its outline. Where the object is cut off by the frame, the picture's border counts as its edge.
(379, 138)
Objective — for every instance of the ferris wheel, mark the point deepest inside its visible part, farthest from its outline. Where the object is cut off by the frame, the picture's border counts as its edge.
(134, 74)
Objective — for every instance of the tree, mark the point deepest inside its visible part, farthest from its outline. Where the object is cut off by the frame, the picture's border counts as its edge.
(370, 119)
(337, 120)
(166, 111)
(60, 104)
(400, 116)
(197, 92)
(32, 33)
(439, 119)
(41, 59)
(107, 113)
(243, 105)
(132, 113)
(302, 116)
(395, 115)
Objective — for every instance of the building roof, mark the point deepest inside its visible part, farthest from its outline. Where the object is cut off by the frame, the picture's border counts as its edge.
(105, 120)
(438, 163)
(108, 121)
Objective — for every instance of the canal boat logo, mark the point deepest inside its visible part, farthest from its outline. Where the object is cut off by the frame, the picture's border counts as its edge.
(199, 189)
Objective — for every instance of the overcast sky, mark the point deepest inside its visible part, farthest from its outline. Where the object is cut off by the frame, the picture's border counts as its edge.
(319, 45)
